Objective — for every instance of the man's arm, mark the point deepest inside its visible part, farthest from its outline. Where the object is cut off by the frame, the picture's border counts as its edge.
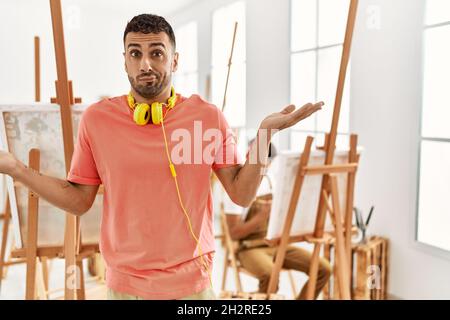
(74, 198)
(241, 229)
(241, 182)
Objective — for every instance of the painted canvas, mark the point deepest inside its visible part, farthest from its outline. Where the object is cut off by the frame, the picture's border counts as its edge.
(39, 126)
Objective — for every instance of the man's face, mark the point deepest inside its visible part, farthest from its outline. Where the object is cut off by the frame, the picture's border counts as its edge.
(150, 61)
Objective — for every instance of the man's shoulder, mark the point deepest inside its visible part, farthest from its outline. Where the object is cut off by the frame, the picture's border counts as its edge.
(201, 106)
(113, 104)
(199, 102)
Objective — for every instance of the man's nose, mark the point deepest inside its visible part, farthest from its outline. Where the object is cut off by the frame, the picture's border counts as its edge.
(146, 65)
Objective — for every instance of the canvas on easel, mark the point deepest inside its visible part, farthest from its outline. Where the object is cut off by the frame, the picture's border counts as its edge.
(39, 127)
(6, 215)
(39, 226)
(285, 167)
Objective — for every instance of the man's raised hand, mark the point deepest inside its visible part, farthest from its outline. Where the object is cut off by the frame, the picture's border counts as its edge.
(289, 116)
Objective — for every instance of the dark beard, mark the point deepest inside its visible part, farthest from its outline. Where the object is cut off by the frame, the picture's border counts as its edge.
(150, 91)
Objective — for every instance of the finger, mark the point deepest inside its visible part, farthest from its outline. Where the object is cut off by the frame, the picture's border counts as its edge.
(304, 112)
(288, 109)
(311, 108)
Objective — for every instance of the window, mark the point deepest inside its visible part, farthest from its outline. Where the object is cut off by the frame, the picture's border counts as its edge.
(317, 36)
(186, 77)
(434, 173)
(222, 36)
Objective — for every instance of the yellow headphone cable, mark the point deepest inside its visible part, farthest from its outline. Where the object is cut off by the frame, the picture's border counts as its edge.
(174, 175)
(141, 117)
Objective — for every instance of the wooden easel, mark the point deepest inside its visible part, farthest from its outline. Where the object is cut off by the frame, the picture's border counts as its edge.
(73, 250)
(329, 188)
(36, 256)
(37, 69)
(5, 263)
(65, 98)
(6, 216)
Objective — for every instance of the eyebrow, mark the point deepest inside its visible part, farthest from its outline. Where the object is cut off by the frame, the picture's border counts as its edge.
(154, 44)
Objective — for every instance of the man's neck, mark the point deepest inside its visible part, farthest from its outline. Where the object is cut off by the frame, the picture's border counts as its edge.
(162, 97)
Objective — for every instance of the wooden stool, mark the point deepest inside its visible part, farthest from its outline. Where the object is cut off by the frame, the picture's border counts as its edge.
(369, 269)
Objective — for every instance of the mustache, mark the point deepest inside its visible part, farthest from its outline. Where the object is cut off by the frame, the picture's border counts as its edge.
(148, 74)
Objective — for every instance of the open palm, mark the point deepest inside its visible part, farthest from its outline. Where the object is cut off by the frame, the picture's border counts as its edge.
(289, 116)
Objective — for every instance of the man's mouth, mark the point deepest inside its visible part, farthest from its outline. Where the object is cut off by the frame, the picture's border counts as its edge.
(147, 79)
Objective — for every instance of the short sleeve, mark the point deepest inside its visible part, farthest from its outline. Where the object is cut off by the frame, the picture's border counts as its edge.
(227, 154)
(83, 169)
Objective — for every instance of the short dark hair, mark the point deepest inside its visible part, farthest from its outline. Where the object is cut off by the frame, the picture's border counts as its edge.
(150, 23)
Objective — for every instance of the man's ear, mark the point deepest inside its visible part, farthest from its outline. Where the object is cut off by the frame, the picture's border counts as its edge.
(175, 62)
(125, 63)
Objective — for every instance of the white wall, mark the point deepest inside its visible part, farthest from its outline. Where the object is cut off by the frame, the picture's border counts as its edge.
(89, 57)
(268, 54)
(385, 112)
(94, 47)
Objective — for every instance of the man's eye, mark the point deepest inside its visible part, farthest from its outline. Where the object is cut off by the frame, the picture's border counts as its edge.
(135, 53)
(157, 53)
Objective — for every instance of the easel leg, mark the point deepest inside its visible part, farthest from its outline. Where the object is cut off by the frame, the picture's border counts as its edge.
(5, 230)
(342, 260)
(32, 232)
(30, 290)
(351, 177)
(71, 272)
(336, 291)
(313, 270)
(45, 272)
(327, 288)
(81, 292)
(225, 271)
(41, 289)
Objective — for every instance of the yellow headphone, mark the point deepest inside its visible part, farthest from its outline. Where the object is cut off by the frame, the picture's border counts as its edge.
(142, 112)
(141, 116)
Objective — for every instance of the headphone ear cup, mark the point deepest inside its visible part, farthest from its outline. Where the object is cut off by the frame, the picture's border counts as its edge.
(157, 112)
(141, 114)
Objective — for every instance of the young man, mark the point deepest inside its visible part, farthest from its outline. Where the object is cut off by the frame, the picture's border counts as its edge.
(156, 232)
(249, 227)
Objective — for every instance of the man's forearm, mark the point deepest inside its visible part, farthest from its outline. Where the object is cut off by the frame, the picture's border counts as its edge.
(242, 182)
(58, 192)
(244, 229)
(248, 178)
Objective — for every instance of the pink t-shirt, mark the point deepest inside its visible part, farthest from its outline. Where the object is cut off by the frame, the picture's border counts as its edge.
(144, 238)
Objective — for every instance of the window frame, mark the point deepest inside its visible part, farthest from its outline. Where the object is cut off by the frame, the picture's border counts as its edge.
(196, 72)
(424, 246)
(316, 133)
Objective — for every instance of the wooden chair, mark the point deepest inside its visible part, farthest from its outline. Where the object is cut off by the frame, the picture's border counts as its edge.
(231, 247)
